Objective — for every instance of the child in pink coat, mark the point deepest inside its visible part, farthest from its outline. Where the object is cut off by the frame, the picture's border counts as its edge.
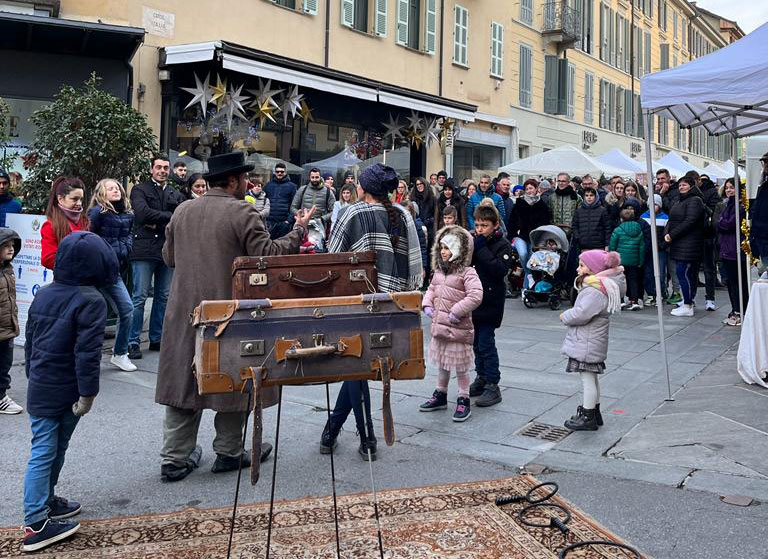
(455, 291)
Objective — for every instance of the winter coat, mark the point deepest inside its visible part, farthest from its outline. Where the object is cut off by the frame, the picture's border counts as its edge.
(711, 199)
(758, 213)
(661, 223)
(213, 230)
(153, 207)
(48, 243)
(588, 320)
(455, 288)
(338, 209)
(492, 259)
(590, 226)
(319, 196)
(627, 239)
(562, 207)
(9, 311)
(508, 203)
(457, 202)
(8, 205)
(421, 233)
(427, 208)
(475, 200)
(686, 228)
(613, 205)
(526, 217)
(65, 326)
(115, 228)
(280, 193)
(260, 202)
(726, 229)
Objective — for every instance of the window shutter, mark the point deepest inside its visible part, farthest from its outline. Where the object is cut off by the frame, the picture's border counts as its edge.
(611, 38)
(526, 64)
(620, 109)
(571, 99)
(310, 7)
(603, 38)
(619, 42)
(647, 69)
(401, 36)
(664, 56)
(348, 13)
(629, 108)
(589, 97)
(526, 11)
(550, 84)
(497, 49)
(430, 26)
(460, 35)
(640, 119)
(380, 25)
(563, 89)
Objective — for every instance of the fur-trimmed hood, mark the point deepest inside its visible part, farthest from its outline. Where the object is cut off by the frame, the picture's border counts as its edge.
(467, 245)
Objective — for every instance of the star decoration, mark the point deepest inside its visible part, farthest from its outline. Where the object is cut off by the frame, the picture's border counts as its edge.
(264, 93)
(201, 93)
(393, 128)
(432, 132)
(416, 123)
(234, 104)
(291, 103)
(264, 112)
(219, 92)
(306, 112)
(415, 137)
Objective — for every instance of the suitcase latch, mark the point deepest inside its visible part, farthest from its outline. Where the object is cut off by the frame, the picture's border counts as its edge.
(358, 275)
(380, 340)
(258, 313)
(251, 347)
(257, 279)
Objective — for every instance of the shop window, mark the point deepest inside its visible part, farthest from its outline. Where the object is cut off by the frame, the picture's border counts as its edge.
(471, 161)
(368, 16)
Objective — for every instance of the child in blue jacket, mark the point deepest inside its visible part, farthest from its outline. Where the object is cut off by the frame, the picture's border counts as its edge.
(64, 335)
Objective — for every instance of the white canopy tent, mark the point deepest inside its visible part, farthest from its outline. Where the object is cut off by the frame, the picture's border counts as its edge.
(726, 92)
(565, 159)
(618, 158)
(728, 168)
(676, 165)
(715, 172)
(345, 159)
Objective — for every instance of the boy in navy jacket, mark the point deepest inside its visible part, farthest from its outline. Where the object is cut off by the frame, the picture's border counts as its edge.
(64, 335)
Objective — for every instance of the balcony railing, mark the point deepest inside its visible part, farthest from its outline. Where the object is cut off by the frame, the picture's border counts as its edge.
(562, 19)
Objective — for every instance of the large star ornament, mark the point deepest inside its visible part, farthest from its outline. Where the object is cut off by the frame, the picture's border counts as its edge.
(291, 104)
(234, 106)
(201, 93)
(219, 92)
(263, 93)
(263, 113)
(432, 132)
(306, 112)
(393, 128)
(415, 122)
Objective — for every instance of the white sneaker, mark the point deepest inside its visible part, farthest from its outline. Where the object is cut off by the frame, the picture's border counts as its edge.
(635, 307)
(710, 306)
(9, 407)
(682, 310)
(122, 362)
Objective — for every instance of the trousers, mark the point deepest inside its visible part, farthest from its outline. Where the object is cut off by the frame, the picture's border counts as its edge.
(180, 428)
(354, 394)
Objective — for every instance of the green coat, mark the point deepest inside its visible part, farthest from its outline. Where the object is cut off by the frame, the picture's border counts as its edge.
(627, 240)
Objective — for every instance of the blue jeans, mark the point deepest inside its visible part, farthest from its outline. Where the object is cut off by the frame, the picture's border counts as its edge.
(50, 439)
(650, 278)
(486, 355)
(143, 270)
(118, 298)
(354, 394)
(688, 276)
(522, 252)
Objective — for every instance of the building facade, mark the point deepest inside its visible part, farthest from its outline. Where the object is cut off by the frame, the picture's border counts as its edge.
(465, 85)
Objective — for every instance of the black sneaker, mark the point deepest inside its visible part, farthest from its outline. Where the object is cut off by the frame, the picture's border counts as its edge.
(462, 412)
(438, 401)
(491, 395)
(60, 508)
(47, 532)
(365, 445)
(154, 346)
(230, 463)
(477, 387)
(134, 352)
(174, 472)
(328, 443)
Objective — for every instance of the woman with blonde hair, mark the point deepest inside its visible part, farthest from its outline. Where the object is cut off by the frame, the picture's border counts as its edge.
(111, 219)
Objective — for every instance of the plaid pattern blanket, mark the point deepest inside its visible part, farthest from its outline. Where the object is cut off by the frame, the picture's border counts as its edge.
(365, 226)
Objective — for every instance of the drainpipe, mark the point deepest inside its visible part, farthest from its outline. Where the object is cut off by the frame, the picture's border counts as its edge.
(442, 42)
(327, 31)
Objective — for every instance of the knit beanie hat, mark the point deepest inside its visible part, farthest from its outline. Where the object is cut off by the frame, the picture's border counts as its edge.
(600, 260)
(517, 187)
(657, 201)
(327, 176)
(452, 243)
(378, 180)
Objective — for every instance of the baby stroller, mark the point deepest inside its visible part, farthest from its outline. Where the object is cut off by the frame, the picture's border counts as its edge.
(549, 247)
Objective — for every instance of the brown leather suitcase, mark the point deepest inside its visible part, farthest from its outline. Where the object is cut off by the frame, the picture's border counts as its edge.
(299, 276)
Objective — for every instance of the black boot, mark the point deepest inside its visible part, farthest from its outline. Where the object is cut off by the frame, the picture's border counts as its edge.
(598, 416)
(477, 387)
(328, 440)
(584, 422)
(368, 441)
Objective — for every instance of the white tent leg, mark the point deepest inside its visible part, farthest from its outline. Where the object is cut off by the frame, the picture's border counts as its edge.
(655, 243)
(737, 205)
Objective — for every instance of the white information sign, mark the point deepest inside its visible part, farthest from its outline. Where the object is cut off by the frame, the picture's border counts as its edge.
(158, 23)
(30, 273)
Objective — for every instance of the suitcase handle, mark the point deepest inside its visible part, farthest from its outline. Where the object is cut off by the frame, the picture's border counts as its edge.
(291, 278)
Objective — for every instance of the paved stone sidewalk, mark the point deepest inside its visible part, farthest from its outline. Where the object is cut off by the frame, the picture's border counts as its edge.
(710, 440)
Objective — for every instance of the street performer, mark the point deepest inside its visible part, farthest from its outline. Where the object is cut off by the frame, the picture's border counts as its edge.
(203, 238)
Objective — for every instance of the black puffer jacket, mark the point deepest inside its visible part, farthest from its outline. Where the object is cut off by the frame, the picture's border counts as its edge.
(591, 226)
(115, 228)
(492, 259)
(457, 202)
(711, 199)
(686, 227)
(280, 193)
(153, 207)
(526, 217)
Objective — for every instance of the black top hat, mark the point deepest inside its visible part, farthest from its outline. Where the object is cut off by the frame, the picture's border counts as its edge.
(225, 165)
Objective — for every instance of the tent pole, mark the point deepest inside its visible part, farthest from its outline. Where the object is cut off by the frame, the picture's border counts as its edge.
(655, 243)
(737, 207)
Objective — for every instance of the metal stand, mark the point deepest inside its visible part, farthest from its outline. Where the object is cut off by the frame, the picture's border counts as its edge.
(368, 421)
(249, 388)
(333, 475)
(274, 468)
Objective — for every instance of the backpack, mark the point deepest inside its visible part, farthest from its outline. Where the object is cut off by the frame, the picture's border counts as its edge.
(328, 195)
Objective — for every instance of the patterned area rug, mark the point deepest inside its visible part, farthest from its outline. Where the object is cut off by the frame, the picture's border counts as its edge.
(455, 521)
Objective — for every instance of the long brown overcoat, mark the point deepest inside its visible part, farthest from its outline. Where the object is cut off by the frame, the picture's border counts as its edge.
(202, 239)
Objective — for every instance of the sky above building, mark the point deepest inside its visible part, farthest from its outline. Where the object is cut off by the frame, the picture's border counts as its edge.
(749, 14)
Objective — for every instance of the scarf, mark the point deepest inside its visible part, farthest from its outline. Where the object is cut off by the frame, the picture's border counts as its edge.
(364, 227)
(532, 199)
(119, 206)
(603, 282)
(72, 215)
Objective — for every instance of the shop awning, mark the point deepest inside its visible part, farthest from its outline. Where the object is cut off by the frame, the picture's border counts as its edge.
(266, 65)
(24, 32)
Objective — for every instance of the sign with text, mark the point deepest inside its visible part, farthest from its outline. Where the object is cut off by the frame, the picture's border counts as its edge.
(159, 23)
(31, 275)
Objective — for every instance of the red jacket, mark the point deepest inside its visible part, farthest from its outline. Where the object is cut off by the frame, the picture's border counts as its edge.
(49, 243)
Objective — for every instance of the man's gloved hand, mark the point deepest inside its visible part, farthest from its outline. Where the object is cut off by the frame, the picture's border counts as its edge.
(429, 311)
(453, 318)
(83, 405)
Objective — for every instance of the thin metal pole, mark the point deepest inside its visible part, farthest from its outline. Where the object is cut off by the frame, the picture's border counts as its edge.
(333, 474)
(274, 468)
(655, 244)
(736, 205)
